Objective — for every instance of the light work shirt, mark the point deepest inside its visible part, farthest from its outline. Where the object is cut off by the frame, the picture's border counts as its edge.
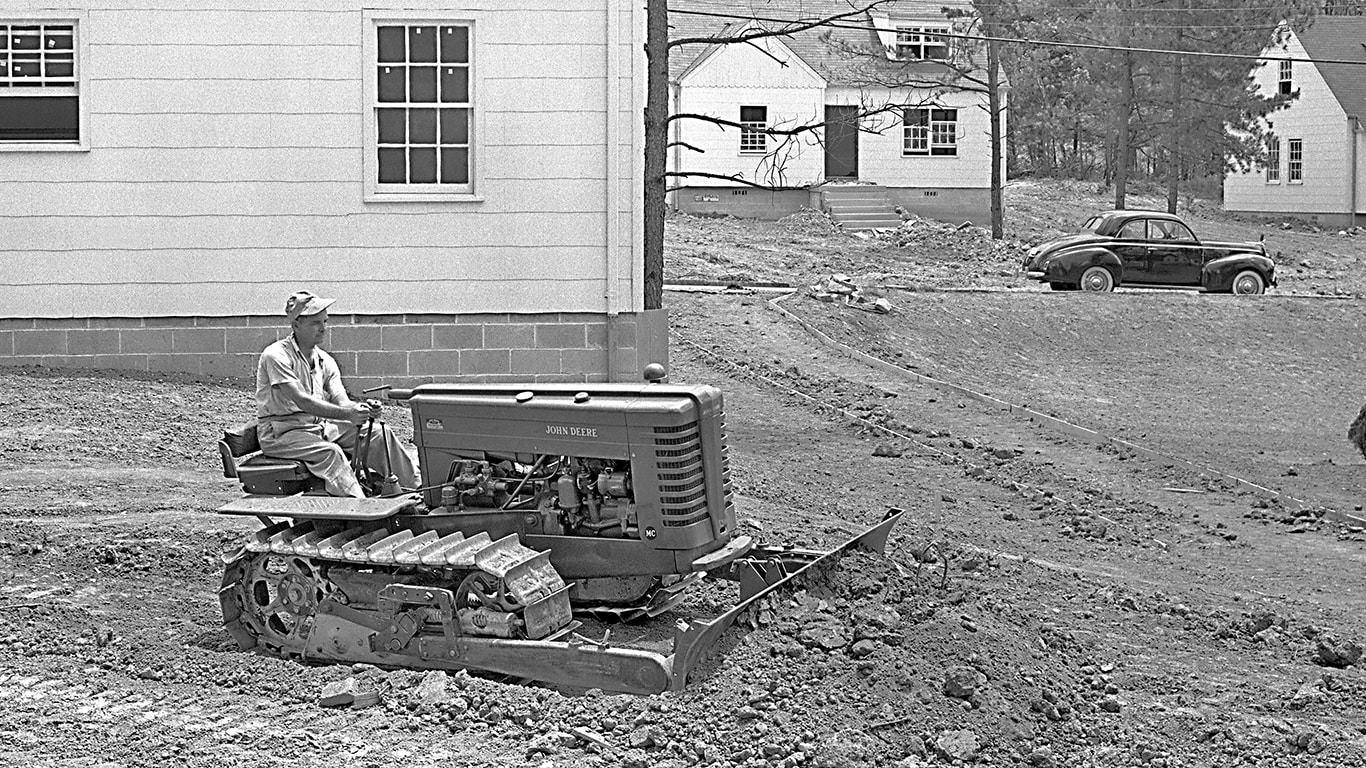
(283, 361)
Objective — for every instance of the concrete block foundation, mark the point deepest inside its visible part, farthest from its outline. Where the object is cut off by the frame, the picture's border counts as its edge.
(372, 350)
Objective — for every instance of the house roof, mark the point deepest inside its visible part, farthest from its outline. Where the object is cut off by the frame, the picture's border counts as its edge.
(1342, 38)
(832, 51)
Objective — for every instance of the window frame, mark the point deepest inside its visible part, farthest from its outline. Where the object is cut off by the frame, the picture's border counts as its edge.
(1285, 77)
(751, 129)
(1140, 237)
(928, 134)
(1273, 159)
(79, 20)
(373, 190)
(1294, 161)
(922, 32)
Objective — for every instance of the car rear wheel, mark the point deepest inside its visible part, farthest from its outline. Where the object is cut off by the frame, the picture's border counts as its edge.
(1248, 282)
(1097, 279)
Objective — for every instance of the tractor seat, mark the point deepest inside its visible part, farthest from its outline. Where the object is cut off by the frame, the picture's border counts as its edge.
(240, 451)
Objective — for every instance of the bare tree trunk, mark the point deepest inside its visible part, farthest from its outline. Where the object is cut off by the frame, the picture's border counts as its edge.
(1124, 109)
(1174, 138)
(1174, 141)
(994, 104)
(656, 146)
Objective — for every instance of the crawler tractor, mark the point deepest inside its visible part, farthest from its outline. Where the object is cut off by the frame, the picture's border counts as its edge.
(542, 503)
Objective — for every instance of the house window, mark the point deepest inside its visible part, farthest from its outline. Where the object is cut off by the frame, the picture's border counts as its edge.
(1273, 159)
(40, 85)
(1284, 81)
(420, 108)
(918, 43)
(929, 131)
(753, 127)
(1295, 166)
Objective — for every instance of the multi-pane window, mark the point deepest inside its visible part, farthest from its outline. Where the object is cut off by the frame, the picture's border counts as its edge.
(421, 106)
(39, 98)
(1295, 164)
(1273, 158)
(917, 43)
(753, 130)
(929, 131)
(1284, 81)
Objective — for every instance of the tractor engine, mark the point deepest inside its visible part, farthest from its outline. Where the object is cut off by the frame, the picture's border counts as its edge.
(571, 495)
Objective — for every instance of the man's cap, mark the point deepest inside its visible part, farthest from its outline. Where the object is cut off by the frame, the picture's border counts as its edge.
(303, 303)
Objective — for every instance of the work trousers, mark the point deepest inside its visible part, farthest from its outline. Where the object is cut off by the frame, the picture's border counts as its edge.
(324, 447)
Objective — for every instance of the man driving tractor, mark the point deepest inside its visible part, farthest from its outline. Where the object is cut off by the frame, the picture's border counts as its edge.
(304, 413)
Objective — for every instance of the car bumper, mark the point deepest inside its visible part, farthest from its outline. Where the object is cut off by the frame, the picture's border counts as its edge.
(1034, 274)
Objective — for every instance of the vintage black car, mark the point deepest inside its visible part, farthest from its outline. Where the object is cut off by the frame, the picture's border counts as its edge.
(1150, 249)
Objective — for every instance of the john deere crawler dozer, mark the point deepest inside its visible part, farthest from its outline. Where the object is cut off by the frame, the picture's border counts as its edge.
(542, 502)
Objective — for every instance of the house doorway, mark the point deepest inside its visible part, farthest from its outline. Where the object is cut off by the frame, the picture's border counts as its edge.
(841, 142)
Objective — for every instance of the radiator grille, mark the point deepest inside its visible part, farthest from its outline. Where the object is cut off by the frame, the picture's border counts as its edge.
(683, 489)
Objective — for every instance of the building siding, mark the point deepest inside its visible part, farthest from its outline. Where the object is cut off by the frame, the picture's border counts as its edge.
(225, 170)
(1320, 122)
(765, 75)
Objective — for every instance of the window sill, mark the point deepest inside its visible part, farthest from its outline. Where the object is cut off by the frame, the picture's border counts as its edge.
(1275, 183)
(40, 146)
(754, 153)
(931, 157)
(417, 198)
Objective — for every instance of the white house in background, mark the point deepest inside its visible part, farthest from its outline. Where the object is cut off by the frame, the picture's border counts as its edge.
(1316, 156)
(462, 174)
(883, 85)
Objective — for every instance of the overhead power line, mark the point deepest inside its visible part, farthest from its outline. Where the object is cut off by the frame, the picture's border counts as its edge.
(1015, 40)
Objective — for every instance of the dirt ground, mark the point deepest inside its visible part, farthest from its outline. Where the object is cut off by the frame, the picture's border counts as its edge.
(1090, 605)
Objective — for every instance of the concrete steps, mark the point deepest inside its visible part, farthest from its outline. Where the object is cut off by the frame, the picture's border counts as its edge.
(860, 206)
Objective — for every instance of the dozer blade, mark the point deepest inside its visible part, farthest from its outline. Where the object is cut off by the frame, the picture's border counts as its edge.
(692, 639)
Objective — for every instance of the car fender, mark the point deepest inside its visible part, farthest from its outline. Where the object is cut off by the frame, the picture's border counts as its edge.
(1217, 274)
(1067, 267)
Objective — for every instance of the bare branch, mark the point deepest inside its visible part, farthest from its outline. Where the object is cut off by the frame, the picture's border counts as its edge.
(767, 53)
(685, 145)
(788, 28)
(738, 179)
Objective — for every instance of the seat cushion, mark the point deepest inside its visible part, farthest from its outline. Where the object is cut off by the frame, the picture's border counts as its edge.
(274, 476)
(241, 439)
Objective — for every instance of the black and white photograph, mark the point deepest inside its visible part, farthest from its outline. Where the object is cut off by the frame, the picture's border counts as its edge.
(683, 383)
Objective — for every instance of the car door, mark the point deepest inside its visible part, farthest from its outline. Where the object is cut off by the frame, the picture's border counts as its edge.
(1131, 246)
(1174, 255)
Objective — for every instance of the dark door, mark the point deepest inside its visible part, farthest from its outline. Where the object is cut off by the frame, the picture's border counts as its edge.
(1175, 257)
(1131, 246)
(841, 142)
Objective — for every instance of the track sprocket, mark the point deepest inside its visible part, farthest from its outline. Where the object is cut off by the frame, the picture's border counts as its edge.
(269, 600)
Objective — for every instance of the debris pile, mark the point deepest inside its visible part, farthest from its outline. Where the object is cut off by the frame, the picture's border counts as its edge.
(839, 287)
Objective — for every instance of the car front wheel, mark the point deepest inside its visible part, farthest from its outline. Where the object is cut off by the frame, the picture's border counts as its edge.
(1248, 282)
(1097, 279)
